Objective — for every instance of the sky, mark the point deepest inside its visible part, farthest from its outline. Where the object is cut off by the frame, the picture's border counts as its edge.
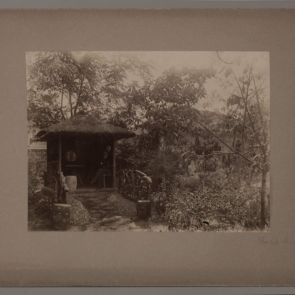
(163, 60)
(219, 61)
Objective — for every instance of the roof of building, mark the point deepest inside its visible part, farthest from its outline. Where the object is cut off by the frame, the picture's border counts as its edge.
(85, 125)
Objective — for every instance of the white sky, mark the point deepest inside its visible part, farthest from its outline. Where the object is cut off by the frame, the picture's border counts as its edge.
(163, 60)
(218, 61)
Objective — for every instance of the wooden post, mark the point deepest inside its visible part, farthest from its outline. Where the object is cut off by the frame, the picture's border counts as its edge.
(114, 165)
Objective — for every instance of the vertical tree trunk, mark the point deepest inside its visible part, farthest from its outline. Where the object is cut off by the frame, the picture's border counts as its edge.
(61, 103)
(262, 198)
(71, 104)
(59, 172)
(114, 165)
(79, 96)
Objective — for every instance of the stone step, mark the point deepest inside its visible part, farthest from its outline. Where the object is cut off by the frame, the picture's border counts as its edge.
(104, 206)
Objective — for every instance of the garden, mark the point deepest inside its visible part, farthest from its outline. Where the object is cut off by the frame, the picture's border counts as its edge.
(202, 132)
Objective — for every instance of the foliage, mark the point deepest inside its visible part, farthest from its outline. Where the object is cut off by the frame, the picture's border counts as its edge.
(209, 209)
(33, 184)
(163, 114)
(248, 122)
(171, 137)
(159, 200)
(62, 85)
(160, 195)
(134, 184)
(40, 209)
(42, 203)
(210, 201)
(35, 175)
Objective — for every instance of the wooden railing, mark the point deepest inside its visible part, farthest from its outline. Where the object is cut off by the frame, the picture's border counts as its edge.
(134, 184)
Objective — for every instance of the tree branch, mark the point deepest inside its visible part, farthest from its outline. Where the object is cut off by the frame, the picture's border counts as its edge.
(259, 107)
(247, 110)
(221, 59)
(79, 95)
(223, 142)
(70, 102)
(61, 103)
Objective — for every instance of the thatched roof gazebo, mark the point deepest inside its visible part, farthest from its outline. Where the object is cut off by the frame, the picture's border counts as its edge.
(85, 125)
(83, 147)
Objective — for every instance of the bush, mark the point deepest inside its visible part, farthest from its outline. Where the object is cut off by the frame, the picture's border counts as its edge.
(36, 169)
(40, 209)
(33, 186)
(161, 196)
(159, 200)
(190, 183)
(213, 210)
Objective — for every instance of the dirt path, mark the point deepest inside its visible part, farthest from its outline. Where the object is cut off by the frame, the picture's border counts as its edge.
(109, 211)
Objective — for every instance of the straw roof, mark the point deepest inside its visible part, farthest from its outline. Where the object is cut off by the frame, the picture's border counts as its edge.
(87, 125)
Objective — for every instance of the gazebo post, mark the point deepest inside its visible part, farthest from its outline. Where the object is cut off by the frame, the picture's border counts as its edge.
(114, 165)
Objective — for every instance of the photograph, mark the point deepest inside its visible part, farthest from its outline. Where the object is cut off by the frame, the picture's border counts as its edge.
(148, 141)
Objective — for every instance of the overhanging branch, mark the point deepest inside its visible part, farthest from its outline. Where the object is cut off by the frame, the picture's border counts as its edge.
(224, 143)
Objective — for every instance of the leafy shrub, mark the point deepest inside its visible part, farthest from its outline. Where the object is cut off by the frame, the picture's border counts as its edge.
(216, 180)
(211, 209)
(42, 205)
(40, 209)
(161, 197)
(36, 169)
(33, 186)
(190, 183)
(159, 200)
(41, 202)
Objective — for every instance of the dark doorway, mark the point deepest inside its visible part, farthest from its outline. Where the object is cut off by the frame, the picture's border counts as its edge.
(103, 175)
(90, 158)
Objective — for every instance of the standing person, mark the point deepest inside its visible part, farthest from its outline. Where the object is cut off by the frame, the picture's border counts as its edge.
(102, 167)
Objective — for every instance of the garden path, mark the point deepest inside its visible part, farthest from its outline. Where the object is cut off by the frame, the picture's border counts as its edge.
(109, 211)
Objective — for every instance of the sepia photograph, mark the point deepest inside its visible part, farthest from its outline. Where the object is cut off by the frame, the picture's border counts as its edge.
(150, 141)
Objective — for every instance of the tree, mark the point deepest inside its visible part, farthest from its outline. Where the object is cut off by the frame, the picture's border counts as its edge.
(62, 85)
(248, 121)
(59, 87)
(164, 111)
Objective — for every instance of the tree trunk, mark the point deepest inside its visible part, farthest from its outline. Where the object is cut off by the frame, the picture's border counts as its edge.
(262, 198)
(79, 96)
(71, 104)
(62, 103)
